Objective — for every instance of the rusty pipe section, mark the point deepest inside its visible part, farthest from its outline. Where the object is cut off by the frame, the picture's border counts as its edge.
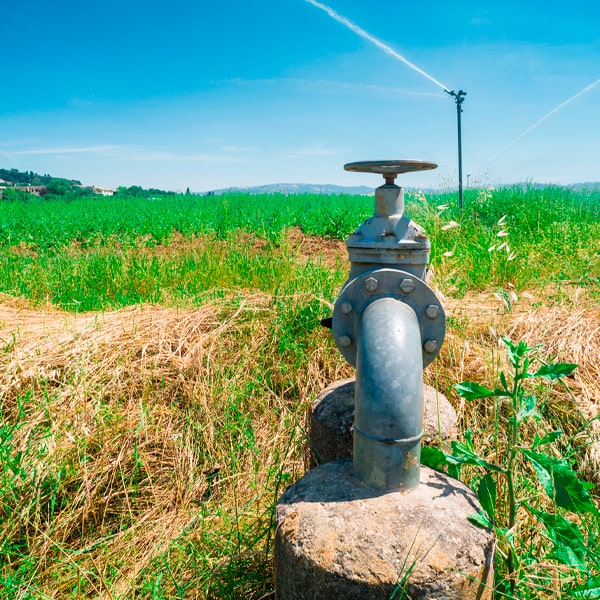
(388, 418)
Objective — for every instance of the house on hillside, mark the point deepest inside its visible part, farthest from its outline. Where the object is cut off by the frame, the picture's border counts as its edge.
(35, 190)
(102, 191)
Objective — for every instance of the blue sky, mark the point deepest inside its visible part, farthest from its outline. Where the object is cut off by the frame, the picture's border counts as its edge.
(217, 94)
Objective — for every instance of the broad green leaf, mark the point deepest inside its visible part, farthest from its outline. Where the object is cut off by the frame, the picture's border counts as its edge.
(503, 381)
(528, 409)
(515, 352)
(561, 482)
(463, 453)
(590, 590)
(480, 519)
(555, 371)
(472, 391)
(454, 470)
(487, 494)
(547, 439)
(433, 457)
(569, 543)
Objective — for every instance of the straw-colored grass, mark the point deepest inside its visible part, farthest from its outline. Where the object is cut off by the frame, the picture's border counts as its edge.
(153, 442)
(132, 421)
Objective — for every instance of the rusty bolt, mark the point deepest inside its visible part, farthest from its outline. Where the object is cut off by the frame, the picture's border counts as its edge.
(407, 285)
(345, 341)
(346, 308)
(430, 346)
(432, 311)
(371, 284)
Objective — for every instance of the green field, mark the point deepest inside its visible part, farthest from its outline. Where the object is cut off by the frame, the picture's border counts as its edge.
(160, 355)
(89, 254)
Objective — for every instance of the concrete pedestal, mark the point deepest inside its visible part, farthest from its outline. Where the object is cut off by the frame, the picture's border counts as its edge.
(333, 415)
(337, 538)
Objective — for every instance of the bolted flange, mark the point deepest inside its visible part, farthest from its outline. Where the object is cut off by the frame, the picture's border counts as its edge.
(360, 291)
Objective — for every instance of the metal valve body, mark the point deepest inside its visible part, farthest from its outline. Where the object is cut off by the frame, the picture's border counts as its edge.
(389, 238)
(389, 324)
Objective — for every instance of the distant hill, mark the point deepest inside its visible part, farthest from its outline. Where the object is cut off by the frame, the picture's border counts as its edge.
(587, 185)
(23, 178)
(298, 188)
(29, 178)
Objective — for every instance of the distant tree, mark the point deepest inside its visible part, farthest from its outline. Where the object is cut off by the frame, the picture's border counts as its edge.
(59, 187)
(12, 195)
(29, 177)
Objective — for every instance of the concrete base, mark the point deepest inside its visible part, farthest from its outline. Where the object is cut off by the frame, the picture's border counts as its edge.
(333, 416)
(337, 538)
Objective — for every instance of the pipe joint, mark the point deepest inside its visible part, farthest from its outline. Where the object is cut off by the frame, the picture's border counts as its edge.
(375, 284)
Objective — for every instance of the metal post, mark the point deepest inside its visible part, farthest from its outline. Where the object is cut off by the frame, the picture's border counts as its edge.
(459, 97)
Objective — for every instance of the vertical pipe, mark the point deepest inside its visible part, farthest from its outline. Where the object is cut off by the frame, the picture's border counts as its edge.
(459, 97)
(388, 416)
(460, 180)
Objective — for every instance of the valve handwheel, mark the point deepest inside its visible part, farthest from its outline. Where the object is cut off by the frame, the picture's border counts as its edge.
(389, 168)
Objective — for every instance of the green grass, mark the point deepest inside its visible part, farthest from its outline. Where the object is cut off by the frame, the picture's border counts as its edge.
(109, 276)
(85, 254)
(133, 413)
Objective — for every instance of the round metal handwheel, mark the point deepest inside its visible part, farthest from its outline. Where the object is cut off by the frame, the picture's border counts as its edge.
(389, 168)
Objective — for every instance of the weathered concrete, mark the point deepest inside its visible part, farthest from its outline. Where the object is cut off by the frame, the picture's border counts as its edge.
(333, 415)
(337, 538)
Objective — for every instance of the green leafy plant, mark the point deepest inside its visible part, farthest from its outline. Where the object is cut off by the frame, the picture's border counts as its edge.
(556, 500)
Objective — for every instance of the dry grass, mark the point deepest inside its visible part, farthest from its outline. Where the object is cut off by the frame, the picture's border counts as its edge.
(566, 329)
(123, 416)
(147, 426)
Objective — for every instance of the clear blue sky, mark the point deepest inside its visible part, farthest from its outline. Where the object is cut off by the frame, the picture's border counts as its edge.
(240, 93)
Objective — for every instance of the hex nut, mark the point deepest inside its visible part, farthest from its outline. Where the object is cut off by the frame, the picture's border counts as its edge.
(430, 346)
(371, 284)
(432, 311)
(346, 308)
(345, 341)
(407, 285)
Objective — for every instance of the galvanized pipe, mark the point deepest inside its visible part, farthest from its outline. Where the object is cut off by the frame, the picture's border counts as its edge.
(388, 420)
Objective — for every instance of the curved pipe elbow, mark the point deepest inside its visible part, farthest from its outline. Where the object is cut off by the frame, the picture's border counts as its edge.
(388, 421)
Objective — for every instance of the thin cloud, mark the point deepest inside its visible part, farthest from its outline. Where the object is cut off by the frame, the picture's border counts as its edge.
(312, 151)
(126, 153)
(67, 150)
(328, 84)
(162, 155)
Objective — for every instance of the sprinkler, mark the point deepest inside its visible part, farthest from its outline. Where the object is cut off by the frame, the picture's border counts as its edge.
(389, 324)
(459, 97)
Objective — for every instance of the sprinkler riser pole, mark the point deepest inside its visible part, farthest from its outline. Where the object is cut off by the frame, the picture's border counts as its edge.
(460, 179)
(459, 97)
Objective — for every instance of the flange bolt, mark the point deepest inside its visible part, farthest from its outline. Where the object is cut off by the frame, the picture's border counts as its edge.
(407, 285)
(346, 308)
(432, 311)
(345, 341)
(371, 284)
(430, 346)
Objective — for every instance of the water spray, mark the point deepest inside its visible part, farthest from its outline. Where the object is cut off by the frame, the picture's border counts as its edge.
(458, 96)
(377, 42)
(527, 131)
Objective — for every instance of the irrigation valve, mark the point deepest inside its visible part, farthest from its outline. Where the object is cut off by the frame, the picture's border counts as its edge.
(389, 324)
(388, 256)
